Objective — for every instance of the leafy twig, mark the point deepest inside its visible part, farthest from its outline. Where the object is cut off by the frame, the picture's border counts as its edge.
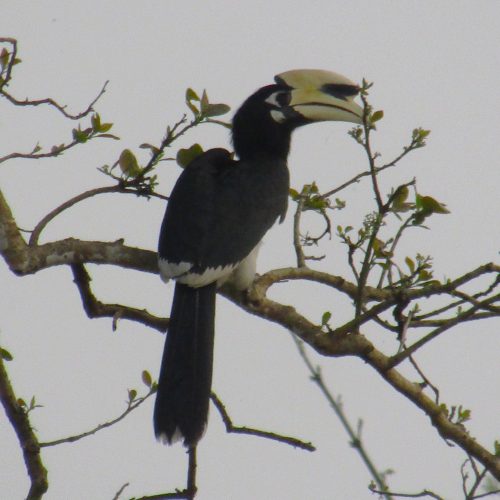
(132, 404)
(396, 359)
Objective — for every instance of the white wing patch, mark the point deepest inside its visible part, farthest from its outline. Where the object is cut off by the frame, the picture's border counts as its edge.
(240, 275)
(172, 270)
(180, 271)
(211, 274)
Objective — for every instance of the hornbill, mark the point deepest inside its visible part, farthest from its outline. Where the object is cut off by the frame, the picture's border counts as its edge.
(218, 212)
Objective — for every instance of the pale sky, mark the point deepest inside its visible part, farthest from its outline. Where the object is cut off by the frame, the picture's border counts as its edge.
(434, 64)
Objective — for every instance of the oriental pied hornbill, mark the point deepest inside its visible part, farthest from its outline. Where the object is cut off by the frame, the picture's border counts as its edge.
(218, 212)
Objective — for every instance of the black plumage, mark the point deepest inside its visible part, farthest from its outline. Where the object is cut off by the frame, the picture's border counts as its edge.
(218, 212)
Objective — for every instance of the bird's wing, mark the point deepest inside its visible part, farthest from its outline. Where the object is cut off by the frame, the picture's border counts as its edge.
(217, 213)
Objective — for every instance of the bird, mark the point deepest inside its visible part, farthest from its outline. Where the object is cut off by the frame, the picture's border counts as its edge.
(217, 214)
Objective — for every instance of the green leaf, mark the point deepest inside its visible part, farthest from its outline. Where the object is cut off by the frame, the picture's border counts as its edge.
(5, 355)
(193, 108)
(80, 135)
(154, 149)
(96, 122)
(399, 199)
(315, 203)
(105, 127)
(4, 58)
(464, 414)
(132, 394)
(186, 156)
(411, 265)
(191, 95)
(496, 446)
(109, 136)
(378, 249)
(294, 194)
(431, 205)
(216, 110)
(128, 164)
(327, 315)
(146, 378)
(376, 116)
(204, 102)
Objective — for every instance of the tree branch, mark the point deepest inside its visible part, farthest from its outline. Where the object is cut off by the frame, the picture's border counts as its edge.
(96, 309)
(131, 406)
(355, 437)
(250, 431)
(27, 438)
(23, 260)
(48, 100)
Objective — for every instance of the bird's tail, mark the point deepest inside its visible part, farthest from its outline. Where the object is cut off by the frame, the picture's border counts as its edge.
(182, 400)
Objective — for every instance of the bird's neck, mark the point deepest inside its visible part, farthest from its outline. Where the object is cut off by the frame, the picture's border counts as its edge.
(261, 142)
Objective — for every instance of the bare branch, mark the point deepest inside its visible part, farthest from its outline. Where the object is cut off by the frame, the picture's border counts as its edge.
(427, 382)
(120, 491)
(67, 204)
(37, 102)
(96, 309)
(355, 437)
(421, 494)
(231, 428)
(191, 478)
(299, 252)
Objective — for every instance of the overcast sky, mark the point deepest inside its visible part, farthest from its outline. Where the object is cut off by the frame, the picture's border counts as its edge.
(434, 64)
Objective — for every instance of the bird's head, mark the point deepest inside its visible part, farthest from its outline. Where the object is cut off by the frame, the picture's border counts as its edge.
(266, 119)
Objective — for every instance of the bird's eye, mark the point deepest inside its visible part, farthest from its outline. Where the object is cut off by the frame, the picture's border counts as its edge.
(279, 99)
(283, 98)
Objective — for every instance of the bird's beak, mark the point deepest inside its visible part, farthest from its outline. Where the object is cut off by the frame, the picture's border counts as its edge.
(320, 95)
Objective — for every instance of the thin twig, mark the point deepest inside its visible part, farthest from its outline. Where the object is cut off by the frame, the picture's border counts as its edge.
(131, 406)
(398, 358)
(48, 100)
(36, 156)
(354, 180)
(427, 382)
(35, 235)
(355, 437)
(299, 252)
(120, 491)
(231, 428)
(64, 206)
(191, 478)
(423, 493)
(367, 127)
